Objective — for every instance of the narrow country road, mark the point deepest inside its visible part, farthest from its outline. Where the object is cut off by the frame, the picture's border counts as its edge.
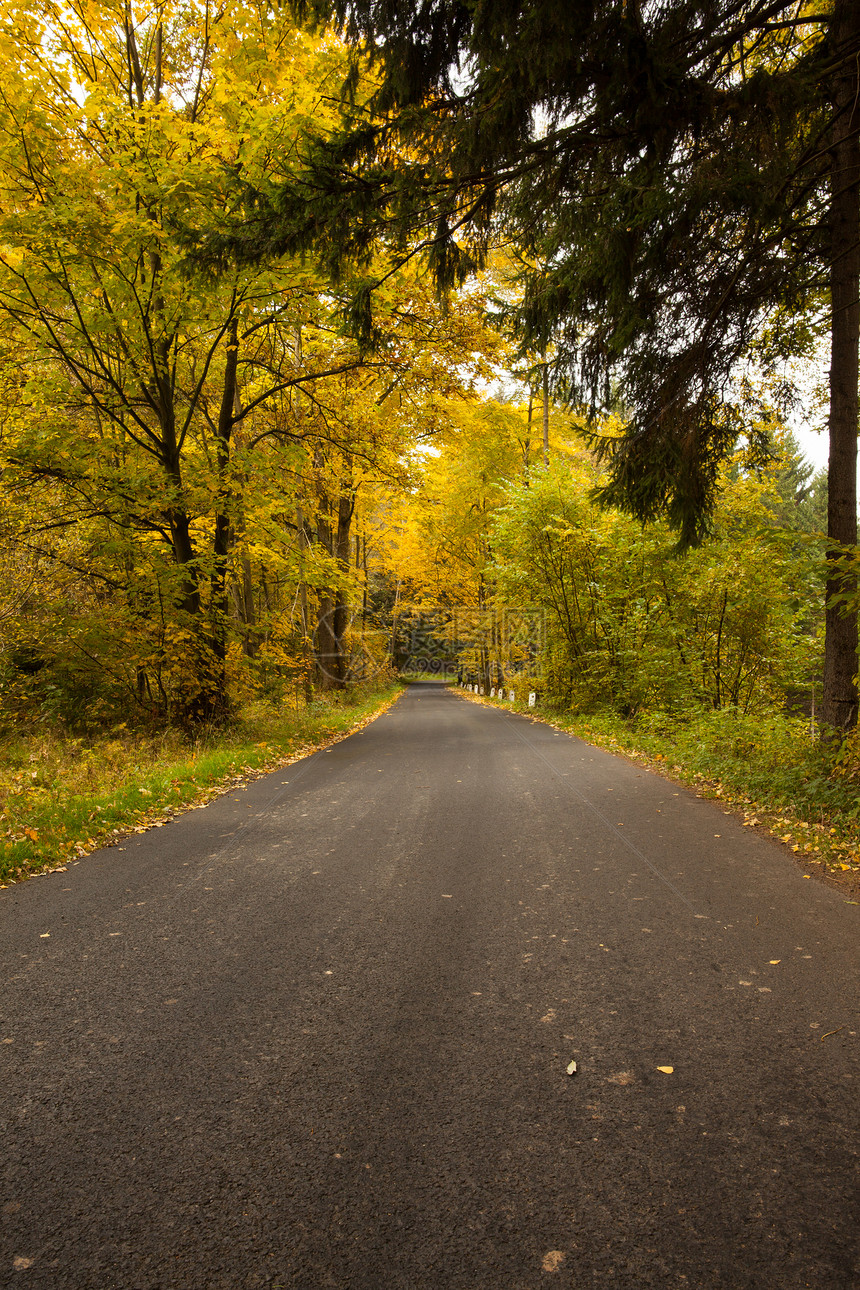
(317, 1034)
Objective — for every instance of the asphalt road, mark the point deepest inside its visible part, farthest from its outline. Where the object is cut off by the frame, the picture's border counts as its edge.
(316, 1034)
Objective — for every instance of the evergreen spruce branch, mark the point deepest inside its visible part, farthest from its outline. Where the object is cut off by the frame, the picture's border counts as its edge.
(681, 81)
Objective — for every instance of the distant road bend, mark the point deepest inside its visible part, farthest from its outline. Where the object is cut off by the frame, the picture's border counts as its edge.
(317, 1034)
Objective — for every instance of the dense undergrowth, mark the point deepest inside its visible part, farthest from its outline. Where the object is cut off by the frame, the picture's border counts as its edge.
(61, 795)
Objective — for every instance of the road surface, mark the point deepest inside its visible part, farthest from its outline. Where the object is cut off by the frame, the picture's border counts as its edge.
(317, 1034)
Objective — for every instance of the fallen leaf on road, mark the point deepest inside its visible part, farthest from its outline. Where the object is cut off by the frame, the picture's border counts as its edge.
(42, 935)
(774, 961)
(667, 1070)
(571, 1068)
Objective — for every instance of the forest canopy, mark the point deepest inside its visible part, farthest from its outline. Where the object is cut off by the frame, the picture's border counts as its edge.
(306, 335)
(681, 184)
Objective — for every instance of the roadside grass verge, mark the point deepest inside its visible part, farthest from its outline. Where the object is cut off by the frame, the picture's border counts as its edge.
(62, 797)
(768, 768)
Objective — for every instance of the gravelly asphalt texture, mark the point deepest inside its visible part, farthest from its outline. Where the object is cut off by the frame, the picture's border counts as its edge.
(316, 1034)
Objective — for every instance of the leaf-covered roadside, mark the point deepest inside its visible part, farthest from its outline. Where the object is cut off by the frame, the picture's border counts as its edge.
(60, 799)
(769, 771)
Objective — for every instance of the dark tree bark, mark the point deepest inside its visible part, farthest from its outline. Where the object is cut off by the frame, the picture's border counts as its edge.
(334, 534)
(221, 540)
(839, 698)
(345, 511)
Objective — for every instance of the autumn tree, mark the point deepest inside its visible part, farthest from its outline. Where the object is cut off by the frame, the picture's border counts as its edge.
(636, 626)
(192, 443)
(441, 544)
(680, 175)
(136, 372)
(187, 451)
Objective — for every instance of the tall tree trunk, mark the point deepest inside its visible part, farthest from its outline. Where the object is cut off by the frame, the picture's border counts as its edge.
(184, 554)
(212, 679)
(345, 511)
(223, 497)
(839, 698)
(326, 644)
(247, 610)
(243, 590)
(333, 613)
(545, 414)
(392, 648)
(328, 653)
(307, 647)
(330, 616)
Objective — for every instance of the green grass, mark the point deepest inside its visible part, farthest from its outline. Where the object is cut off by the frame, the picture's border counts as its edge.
(61, 797)
(769, 767)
